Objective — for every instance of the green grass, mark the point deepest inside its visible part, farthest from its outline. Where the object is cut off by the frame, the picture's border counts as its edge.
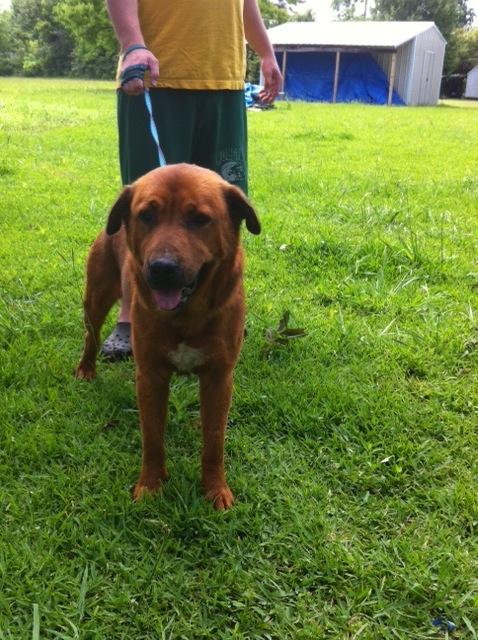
(352, 451)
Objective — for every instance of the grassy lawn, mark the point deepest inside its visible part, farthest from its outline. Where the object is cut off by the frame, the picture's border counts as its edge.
(352, 451)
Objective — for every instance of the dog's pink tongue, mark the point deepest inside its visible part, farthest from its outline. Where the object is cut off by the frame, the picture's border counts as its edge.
(167, 300)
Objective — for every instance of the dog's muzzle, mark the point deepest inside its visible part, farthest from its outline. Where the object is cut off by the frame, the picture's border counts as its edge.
(170, 286)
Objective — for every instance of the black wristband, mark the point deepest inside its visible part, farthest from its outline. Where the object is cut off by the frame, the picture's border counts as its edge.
(133, 47)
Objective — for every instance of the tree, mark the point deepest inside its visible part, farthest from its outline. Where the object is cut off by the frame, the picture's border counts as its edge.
(462, 51)
(44, 46)
(75, 37)
(447, 14)
(10, 62)
(95, 49)
(273, 14)
(350, 9)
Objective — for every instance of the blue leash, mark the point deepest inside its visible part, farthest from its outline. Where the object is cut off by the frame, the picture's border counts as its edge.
(153, 129)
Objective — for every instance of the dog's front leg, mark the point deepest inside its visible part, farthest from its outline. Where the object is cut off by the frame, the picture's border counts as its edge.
(152, 391)
(215, 393)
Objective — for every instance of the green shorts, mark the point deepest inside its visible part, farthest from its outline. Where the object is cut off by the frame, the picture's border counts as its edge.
(207, 128)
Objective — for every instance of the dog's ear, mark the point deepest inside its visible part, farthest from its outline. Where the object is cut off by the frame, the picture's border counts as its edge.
(240, 209)
(119, 211)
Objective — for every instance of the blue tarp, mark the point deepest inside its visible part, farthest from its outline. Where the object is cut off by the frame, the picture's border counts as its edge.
(251, 93)
(310, 76)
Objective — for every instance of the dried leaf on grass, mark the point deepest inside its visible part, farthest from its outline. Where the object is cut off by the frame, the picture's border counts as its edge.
(281, 335)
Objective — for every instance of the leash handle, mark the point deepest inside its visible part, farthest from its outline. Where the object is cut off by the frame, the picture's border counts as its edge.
(133, 71)
(153, 129)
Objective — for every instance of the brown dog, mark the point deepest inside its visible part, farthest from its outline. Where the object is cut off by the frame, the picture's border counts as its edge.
(174, 234)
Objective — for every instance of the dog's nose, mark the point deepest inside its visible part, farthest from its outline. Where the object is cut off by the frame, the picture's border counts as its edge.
(165, 272)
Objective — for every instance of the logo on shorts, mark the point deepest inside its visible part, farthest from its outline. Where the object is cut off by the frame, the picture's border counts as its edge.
(232, 171)
(230, 163)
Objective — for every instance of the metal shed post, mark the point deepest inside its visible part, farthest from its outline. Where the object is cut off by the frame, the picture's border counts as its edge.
(336, 76)
(284, 67)
(391, 79)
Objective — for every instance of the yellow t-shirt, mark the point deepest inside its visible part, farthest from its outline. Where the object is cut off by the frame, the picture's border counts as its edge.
(199, 43)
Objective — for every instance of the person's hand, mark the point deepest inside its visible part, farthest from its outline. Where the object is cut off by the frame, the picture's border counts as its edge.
(135, 86)
(272, 79)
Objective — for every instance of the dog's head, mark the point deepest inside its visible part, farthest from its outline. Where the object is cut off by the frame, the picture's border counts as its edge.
(180, 221)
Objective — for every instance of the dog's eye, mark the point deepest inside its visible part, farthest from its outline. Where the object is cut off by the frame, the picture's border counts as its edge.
(146, 216)
(197, 220)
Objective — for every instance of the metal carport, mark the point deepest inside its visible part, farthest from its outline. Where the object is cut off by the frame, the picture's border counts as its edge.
(410, 54)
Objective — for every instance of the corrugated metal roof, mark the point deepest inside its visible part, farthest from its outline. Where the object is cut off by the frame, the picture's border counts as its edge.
(373, 34)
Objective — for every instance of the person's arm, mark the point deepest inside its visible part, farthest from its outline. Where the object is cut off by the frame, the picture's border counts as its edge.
(256, 36)
(124, 18)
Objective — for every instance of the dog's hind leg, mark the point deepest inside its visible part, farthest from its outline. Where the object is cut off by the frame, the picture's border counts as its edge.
(103, 289)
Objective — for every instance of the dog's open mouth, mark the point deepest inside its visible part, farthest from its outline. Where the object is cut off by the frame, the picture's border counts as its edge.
(172, 299)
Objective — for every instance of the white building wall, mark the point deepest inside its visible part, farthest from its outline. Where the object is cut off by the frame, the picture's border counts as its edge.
(427, 68)
(403, 68)
(471, 90)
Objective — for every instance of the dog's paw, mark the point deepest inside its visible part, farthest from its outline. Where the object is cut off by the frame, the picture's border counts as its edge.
(149, 486)
(142, 490)
(221, 497)
(85, 373)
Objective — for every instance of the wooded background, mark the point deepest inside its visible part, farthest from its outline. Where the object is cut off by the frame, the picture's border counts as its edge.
(74, 38)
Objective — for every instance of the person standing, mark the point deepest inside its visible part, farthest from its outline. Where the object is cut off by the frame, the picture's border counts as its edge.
(190, 56)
